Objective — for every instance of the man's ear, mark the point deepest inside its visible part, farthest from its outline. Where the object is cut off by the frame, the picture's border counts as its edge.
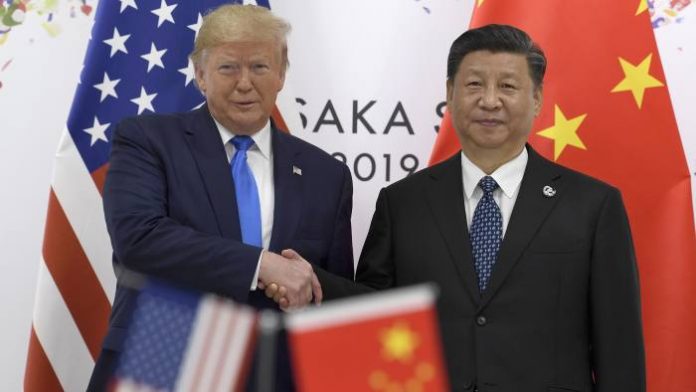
(200, 78)
(450, 91)
(284, 64)
(538, 100)
(282, 78)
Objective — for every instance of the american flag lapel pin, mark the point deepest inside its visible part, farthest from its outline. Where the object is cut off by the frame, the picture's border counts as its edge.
(296, 170)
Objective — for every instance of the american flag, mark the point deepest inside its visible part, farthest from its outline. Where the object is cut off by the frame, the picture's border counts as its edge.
(136, 62)
(182, 341)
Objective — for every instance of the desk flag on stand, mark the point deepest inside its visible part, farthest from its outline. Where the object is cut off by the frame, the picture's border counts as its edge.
(183, 341)
(387, 341)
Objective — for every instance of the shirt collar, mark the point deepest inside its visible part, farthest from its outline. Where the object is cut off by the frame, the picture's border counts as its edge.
(262, 138)
(508, 176)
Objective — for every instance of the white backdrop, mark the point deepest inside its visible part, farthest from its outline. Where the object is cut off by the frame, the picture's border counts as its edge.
(382, 58)
(678, 50)
(35, 96)
(348, 53)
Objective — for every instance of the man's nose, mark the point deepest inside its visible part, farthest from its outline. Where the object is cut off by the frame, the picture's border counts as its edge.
(244, 82)
(490, 98)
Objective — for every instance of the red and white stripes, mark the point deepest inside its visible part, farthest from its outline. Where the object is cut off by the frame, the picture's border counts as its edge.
(76, 283)
(220, 346)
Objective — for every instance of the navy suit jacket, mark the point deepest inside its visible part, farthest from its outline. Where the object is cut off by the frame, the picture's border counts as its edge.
(562, 310)
(171, 211)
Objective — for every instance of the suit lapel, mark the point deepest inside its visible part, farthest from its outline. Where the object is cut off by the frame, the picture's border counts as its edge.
(530, 211)
(287, 184)
(209, 153)
(445, 196)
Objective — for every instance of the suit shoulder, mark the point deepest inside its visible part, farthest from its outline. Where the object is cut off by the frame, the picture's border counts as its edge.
(582, 187)
(157, 129)
(423, 177)
(152, 122)
(309, 151)
(583, 180)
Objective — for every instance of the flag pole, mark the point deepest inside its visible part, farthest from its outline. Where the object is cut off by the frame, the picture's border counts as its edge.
(269, 325)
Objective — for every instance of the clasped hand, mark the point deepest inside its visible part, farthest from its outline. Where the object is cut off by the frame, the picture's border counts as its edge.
(289, 280)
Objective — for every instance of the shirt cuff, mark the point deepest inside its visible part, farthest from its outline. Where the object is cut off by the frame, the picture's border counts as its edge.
(255, 280)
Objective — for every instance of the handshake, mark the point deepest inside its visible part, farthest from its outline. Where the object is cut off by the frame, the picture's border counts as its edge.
(289, 280)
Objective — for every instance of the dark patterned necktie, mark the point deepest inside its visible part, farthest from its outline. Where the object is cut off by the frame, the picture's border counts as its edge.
(486, 232)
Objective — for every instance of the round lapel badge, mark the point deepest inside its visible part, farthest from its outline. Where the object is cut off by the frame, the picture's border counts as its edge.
(549, 191)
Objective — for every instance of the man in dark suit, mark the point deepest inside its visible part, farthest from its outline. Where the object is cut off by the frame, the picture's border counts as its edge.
(535, 262)
(219, 199)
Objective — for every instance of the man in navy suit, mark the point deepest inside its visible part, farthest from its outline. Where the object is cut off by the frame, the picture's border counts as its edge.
(177, 207)
(535, 262)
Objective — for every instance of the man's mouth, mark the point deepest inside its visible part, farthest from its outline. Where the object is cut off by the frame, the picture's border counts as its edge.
(489, 122)
(245, 104)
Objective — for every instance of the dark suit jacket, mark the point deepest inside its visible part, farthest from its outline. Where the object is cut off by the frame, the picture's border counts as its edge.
(171, 211)
(563, 301)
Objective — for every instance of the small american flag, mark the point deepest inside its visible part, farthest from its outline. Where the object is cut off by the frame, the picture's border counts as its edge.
(183, 341)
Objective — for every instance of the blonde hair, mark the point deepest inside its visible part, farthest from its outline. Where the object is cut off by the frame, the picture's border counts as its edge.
(235, 22)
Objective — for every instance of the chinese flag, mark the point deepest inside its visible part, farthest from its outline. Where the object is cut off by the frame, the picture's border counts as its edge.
(607, 113)
(387, 341)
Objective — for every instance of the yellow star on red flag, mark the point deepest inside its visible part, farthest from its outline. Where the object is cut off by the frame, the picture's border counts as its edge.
(399, 343)
(637, 79)
(479, 2)
(642, 6)
(564, 132)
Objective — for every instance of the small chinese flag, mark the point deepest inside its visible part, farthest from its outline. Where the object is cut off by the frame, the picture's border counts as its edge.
(607, 112)
(387, 341)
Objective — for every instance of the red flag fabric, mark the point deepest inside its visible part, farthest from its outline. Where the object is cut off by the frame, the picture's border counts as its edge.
(607, 112)
(446, 143)
(380, 342)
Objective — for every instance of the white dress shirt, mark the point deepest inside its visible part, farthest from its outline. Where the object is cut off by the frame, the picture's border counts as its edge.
(508, 176)
(260, 160)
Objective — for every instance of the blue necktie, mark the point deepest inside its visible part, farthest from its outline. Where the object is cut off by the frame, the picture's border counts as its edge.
(486, 232)
(246, 192)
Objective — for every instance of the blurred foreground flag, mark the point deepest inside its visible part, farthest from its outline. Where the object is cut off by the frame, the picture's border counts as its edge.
(387, 341)
(183, 341)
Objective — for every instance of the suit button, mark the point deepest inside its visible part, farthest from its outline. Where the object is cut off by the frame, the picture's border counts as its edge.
(481, 321)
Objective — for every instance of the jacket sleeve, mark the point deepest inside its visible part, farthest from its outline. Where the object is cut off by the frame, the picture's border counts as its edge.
(340, 260)
(616, 332)
(375, 269)
(147, 240)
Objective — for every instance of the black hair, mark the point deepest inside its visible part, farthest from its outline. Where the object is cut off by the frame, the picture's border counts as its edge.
(498, 38)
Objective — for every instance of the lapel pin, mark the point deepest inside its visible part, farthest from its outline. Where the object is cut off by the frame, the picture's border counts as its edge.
(549, 191)
(296, 170)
